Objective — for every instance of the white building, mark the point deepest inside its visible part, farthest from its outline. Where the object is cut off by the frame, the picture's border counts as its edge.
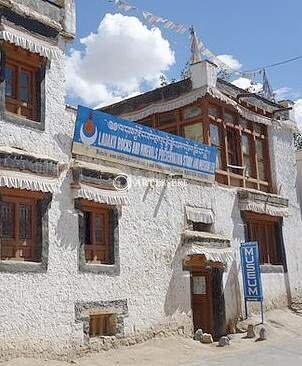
(86, 265)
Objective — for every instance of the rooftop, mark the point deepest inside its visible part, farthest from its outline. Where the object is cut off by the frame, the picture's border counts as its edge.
(177, 89)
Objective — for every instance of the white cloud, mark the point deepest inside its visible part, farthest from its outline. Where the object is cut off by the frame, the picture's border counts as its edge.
(282, 93)
(298, 113)
(230, 61)
(117, 59)
(246, 84)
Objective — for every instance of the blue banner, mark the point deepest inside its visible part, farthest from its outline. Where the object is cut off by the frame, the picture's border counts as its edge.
(108, 137)
(251, 274)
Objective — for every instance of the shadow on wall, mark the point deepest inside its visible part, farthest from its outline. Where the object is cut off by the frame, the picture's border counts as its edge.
(66, 230)
(148, 191)
(64, 142)
(232, 292)
(178, 298)
(232, 286)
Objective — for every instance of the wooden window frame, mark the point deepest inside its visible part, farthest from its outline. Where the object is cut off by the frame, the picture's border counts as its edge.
(17, 198)
(227, 175)
(102, 325)
(270, 251)
(95, 209)
(24, 61)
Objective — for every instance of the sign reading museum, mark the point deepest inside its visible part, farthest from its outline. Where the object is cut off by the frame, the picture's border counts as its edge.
(107, 137)
(251, 274)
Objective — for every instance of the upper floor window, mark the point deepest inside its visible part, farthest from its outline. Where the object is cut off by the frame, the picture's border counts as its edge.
(20, 225)
(242, 146)
(194, 131)
(23, 82)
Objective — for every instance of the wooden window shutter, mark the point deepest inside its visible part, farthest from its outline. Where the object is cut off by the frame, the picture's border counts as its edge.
(2, 64)
(39, 77)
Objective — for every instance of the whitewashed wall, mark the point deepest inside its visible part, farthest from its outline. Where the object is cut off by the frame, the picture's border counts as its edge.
(37, 311)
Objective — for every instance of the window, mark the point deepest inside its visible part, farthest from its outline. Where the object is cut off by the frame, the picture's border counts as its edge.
(215, 141)
(102, 325)
(166, 118)
(194, 132)
(266, 230)
(260, 159)
(246, 154)
(232, 148)
(97, 233)
(213, 111)
(191, 112)
(19, 223)
(240, 143)
(22, 82)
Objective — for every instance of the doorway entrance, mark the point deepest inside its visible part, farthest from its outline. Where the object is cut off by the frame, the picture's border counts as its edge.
(202, 307)
(207, 295)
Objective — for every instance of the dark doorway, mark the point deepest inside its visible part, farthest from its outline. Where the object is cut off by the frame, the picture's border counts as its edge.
(201, 290)
(208, 304)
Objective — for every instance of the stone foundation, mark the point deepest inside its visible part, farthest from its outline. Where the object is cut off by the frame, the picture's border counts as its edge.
(72, 350)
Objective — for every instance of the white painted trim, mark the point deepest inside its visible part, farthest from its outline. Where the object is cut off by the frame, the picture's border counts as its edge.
(101, 195)
(27, 181)
(30, 43)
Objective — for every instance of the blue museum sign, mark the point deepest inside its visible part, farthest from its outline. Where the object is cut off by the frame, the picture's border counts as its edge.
(108, 137)
(251, 274)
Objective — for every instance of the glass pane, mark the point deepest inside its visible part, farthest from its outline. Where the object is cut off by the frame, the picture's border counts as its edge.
(232, 148)
(243, 123)
(260, 159)
(9, 81)
(260, 149)
(215, 141)
(218, 159)
(191, 112)
(261, 170)
(245, 145)
(166, 118)
(194, 132)
(213, 111)
(7, 213)
(24, 86)
(229, 117)
(199, 285)
(259, 128)
(25, 222)
(99, 228)
(214, 133)
(246, 154)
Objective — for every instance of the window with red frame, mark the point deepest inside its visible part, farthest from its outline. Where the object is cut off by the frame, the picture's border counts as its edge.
(242, 146)
(19, 226)
(98, 243)
(22, 82)
(266, 230)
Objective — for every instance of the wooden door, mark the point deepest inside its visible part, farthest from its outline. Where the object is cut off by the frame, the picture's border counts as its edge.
(201, 295)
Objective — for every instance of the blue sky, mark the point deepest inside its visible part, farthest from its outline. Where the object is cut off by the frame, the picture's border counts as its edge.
(256, 33)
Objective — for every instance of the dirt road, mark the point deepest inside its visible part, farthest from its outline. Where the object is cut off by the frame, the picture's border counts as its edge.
(284, 346)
